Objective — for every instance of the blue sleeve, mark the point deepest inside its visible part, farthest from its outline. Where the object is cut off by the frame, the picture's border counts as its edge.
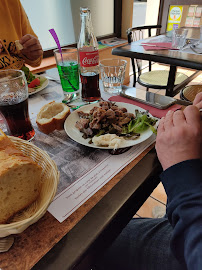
(183, 185)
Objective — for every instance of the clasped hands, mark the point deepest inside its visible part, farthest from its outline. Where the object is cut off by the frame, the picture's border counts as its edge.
(179, 135)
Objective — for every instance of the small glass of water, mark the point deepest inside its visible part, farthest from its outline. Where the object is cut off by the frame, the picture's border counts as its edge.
(113, 74)
(179, 38)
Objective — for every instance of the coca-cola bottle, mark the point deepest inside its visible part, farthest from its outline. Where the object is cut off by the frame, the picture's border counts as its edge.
(88, 58)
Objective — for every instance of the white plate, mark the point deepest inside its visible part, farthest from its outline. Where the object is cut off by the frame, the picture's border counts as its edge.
(76, 135)
(44, 85)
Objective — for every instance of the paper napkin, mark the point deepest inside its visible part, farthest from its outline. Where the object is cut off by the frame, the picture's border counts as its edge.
(157, 46)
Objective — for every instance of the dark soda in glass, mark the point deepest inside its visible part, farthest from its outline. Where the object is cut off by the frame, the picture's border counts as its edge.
(90, 87)
(16, 118)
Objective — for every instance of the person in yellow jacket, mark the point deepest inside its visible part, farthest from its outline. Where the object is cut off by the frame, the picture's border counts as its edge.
(16, 26)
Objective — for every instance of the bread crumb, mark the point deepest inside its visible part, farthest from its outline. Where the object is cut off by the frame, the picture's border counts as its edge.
(18, 45)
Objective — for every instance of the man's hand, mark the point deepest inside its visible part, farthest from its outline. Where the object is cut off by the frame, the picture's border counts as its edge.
(31, 47)
(198, 101)
(179, 136)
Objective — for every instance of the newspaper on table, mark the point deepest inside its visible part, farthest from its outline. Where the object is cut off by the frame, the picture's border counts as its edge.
(83, 170)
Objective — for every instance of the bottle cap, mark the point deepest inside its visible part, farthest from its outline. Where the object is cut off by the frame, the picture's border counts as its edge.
(84, 10)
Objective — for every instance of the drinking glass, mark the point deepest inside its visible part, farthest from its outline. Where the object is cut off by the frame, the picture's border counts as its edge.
(14, 104)
(67, 64)
(179, 38)
(113, 74)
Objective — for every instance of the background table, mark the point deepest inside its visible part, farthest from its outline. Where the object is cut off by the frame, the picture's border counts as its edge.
(172, 57)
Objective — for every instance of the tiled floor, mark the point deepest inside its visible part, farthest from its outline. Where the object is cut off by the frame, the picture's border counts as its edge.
(158, 197)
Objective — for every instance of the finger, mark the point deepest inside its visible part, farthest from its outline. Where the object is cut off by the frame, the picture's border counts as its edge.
(36, 47)
(168, 123)
(161, 125)
(199, 105)
(198, 98)
(192, 116)
(178, 118)
(25, 38)
(37, 53)
(30, 43)
(34, 55)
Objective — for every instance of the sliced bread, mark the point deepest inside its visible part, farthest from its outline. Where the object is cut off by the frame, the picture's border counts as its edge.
(20, 180)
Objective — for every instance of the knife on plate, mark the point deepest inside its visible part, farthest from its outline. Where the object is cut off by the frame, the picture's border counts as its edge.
(183, 102)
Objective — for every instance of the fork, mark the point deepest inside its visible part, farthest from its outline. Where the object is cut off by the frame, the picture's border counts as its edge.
(75, 107)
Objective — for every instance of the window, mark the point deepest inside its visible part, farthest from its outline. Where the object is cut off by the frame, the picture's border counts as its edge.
(64, 17)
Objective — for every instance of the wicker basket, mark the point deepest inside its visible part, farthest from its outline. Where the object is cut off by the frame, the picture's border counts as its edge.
(50, 179)
(189, 92)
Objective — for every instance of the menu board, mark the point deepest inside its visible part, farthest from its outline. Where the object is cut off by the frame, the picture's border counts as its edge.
(193, 18)
(198, 12)
(191, 11)
(184, 16)
(196, 22)
(189, 22)
(174, 17)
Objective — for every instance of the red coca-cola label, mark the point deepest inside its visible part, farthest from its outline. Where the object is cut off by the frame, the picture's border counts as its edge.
(89, 59)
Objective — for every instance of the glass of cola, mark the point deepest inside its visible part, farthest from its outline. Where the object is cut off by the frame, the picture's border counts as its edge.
(14, 104)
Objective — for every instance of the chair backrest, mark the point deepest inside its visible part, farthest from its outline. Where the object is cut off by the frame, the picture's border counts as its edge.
(138, 33)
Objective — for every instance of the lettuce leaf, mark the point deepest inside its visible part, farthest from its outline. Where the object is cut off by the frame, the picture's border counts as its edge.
(29, 76)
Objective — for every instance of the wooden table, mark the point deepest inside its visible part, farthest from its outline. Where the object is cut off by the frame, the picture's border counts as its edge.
(107, 213)
(74, 243)
(172, 57)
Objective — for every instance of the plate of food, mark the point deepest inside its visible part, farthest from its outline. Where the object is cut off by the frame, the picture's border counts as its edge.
(38, 84)
(35, 83)
(110, 125)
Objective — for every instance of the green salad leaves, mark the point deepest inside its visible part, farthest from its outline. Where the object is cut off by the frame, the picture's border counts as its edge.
(29, 76)
(140, 123)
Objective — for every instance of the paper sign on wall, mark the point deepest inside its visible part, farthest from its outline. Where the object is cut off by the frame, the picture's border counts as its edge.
(191, 11)
(196, 22)
(174, 17)
(198, 12)
(189, 22)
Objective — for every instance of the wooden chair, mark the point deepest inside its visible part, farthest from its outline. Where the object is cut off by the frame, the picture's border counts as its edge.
(156, 79)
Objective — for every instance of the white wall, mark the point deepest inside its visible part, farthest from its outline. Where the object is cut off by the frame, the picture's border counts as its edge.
(64, 17)
(102, 14)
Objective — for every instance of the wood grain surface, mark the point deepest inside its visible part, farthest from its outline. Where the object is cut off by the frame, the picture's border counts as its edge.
(31, 245)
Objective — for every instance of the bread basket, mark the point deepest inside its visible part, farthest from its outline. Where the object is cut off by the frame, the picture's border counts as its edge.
(50, 179)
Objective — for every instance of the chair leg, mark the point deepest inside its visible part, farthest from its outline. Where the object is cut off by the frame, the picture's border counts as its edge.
(149, 66)
(134, 72)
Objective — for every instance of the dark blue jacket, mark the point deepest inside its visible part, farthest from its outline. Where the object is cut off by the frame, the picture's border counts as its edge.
(183, 185)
